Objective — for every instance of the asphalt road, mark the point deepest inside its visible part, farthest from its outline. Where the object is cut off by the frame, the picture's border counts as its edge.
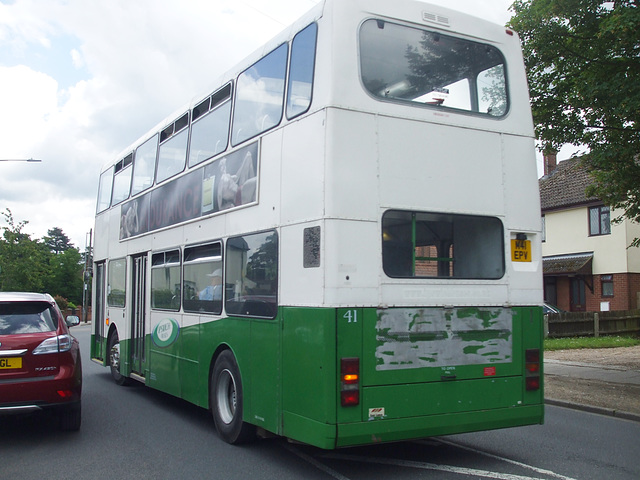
(135, 432)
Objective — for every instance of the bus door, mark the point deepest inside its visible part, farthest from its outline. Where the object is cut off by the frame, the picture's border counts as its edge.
(97, 346)
(138, 309)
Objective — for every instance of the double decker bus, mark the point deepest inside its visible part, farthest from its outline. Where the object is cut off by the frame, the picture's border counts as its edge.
(340, 242)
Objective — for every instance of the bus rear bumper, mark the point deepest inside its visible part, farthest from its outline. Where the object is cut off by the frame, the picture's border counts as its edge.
(394, 430)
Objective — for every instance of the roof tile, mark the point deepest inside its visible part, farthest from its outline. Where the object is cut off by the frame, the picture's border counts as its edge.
(566, 185)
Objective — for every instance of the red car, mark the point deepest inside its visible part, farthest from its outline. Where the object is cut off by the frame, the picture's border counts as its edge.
(40, 366)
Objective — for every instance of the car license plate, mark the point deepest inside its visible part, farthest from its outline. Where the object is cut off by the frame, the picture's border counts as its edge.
(521, 250)
(10, 363)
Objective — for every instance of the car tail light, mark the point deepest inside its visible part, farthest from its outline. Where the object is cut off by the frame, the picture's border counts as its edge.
(61, 343)
(532, 369)
(349, 381)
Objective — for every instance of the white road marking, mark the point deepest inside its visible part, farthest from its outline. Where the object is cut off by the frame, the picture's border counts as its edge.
(507, 460)
(316, 463)
(473, 472)
(432, 466)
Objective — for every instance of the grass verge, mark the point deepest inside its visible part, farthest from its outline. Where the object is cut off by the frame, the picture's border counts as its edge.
(590, 342)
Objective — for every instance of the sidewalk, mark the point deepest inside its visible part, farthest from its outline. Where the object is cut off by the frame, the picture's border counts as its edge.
(606, 382)
(589, 371)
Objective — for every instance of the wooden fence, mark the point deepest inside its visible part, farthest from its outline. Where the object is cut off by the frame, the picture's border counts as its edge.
(592, 324)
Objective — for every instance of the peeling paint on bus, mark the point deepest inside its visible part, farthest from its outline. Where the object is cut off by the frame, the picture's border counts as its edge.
(438, 337)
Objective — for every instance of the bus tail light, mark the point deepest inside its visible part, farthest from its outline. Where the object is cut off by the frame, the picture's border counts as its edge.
(532, 369)
(349, 381)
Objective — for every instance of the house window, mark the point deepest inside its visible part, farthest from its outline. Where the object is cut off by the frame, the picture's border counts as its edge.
(544, 229)
(599, 221)
(607, 285)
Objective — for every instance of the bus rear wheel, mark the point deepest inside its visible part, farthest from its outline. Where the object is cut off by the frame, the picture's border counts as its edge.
(227, 401)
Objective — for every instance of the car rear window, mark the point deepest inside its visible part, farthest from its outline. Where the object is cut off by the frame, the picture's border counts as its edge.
(22, 317)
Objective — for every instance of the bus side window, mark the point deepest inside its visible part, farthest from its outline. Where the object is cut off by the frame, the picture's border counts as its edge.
(116, 282)
(260, 96)
(203, 290)
(121, 181)
(104, 190)
(303, 57)
(210, 131)
(172, 156)
(251, 282)
(144, 165)
(165, 280)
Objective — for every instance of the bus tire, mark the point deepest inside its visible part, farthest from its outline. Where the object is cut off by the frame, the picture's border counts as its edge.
(227, 401)
(113, 352)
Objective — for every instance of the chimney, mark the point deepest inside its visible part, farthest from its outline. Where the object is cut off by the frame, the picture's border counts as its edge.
(550, 161)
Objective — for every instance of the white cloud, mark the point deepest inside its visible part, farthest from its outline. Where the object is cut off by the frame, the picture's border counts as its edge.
(27, 100)
(76, 57)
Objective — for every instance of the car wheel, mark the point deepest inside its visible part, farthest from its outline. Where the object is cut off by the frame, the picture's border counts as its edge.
(227, 401)
(113, 349)
(71, 418)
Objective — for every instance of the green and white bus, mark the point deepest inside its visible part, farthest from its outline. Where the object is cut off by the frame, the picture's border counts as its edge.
(340, 242)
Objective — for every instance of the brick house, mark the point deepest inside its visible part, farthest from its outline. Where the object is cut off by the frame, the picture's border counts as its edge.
(586, 263)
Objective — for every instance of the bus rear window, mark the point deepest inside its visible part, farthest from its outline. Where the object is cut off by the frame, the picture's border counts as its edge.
(437, 245)
(405, 64)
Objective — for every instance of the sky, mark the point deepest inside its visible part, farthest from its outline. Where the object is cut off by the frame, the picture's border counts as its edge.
(81, 80)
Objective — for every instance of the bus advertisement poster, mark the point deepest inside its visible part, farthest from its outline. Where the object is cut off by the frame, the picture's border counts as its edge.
(229, 182)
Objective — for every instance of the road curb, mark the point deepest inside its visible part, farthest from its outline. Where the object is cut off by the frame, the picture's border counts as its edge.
(591, 409)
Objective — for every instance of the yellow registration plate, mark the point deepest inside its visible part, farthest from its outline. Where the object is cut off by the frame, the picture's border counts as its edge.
(521, 250)
(7, 363)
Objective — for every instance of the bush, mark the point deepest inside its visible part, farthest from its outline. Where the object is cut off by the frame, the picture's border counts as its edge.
(62, 302)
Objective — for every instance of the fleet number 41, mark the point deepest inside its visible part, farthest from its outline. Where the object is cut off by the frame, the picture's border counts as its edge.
(351, 316)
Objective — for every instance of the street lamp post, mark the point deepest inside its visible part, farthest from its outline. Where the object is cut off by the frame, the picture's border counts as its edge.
(19, 160)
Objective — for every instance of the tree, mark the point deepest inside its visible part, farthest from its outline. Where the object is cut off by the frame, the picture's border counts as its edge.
(57, 241)
(35, 266)
(583, 64)
(64, 276)
(23, 262)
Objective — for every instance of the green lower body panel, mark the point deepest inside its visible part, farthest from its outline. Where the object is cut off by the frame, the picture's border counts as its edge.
(403, 412)
(457, 396)
(393, 430)
(309, 431)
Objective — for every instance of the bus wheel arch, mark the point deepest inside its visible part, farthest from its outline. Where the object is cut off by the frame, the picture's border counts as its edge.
(113, 356)
(226, 399)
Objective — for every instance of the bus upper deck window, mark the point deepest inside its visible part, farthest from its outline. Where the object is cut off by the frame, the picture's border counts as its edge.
(260, 96)
(303, 55)
(121, 184)
(210, 130)
(405, 64)
(104, 190)
(144, 165)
